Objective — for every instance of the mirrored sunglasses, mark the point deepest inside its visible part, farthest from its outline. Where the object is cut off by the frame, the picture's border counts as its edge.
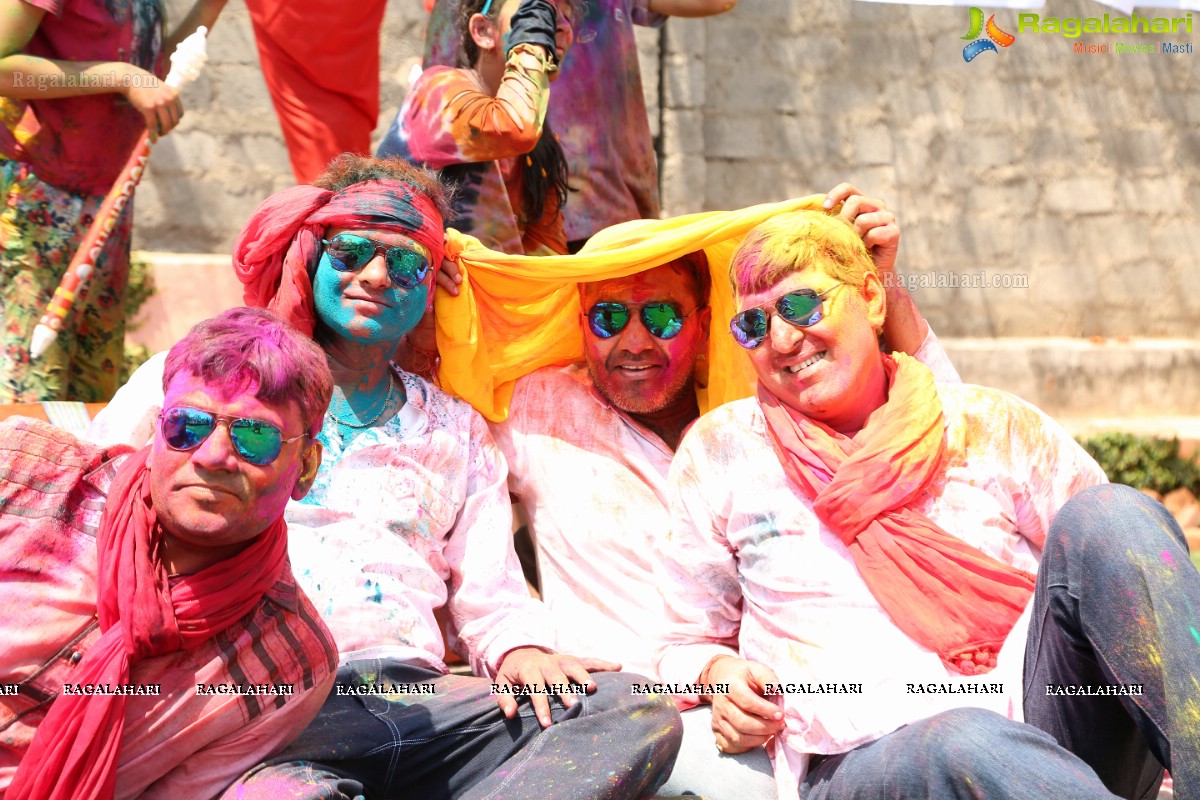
(349, 252)
(663, 320)
(801, 309)
(257, 442)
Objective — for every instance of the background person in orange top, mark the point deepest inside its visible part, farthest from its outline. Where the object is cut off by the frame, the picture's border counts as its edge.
(484, 128)
(603, 127)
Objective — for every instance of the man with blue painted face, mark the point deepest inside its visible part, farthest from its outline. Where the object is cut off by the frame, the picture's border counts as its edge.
(408, 515)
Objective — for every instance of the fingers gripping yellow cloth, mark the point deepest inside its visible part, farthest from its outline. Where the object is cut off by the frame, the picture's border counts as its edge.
(516, 314)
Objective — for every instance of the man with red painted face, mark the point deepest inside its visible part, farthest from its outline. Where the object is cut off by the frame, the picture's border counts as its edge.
(155, 641)
(853, 552)
(589, 447)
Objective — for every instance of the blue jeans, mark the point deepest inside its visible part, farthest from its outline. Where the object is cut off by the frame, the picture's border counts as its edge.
(964, 754)
(456, 743)
(1117, 602)
(702, 771)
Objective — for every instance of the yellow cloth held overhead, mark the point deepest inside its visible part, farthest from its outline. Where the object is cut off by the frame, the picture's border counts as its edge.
(516, 314)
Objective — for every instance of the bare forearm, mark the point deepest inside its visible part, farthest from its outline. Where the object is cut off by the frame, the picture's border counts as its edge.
(905, 328)
(204, 12)
(26, 77)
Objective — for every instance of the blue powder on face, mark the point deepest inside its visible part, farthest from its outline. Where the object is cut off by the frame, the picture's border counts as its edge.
(345, 320)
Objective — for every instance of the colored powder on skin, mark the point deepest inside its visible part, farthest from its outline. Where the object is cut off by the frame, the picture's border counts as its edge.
(377, 595)
(343, 318)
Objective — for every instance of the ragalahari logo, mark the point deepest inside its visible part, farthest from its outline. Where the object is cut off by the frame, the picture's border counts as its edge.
(995, 36)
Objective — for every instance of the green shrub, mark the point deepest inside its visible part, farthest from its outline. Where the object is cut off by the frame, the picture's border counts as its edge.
(140, 289)
(1144, 462)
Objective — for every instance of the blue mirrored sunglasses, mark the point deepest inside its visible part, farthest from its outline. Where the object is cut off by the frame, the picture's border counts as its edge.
(349, 252)
(257, 442)
(801, 309)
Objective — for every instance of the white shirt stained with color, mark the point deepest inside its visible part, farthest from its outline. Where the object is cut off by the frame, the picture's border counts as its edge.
(594, 484)
(402, 519)
(749, 570)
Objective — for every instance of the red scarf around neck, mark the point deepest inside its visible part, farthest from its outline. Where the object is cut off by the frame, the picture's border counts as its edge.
(75, 751)
(945, 594)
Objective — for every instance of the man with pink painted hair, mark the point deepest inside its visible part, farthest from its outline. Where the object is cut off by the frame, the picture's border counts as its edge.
(156, 642)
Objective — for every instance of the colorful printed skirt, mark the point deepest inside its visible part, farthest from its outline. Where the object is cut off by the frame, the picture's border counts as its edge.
(40, 229)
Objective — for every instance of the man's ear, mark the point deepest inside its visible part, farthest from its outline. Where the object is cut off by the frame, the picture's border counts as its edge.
(875, 299)
(483, 31)
(705, 315)
(432, 284)
(310, 462)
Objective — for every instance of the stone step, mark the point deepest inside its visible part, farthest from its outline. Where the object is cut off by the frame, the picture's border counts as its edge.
(1117, 379)
(190, 287)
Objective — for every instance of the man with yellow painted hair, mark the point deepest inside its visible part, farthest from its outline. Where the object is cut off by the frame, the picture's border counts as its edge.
(589, 446)
(886, 570)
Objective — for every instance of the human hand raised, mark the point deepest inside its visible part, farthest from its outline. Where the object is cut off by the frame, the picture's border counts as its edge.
(878, 227)
(158, 103)
(449, 276)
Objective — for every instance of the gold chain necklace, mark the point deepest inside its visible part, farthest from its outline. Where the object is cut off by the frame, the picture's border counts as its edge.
(387, 401)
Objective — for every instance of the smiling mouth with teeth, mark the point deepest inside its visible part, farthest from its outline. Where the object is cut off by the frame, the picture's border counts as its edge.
(807, 363)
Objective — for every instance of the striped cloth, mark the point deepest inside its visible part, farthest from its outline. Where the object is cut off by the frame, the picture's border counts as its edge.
(181, 741)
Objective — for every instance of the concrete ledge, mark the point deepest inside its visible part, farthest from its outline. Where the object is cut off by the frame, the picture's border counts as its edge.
(190, 288)
(1084, 378)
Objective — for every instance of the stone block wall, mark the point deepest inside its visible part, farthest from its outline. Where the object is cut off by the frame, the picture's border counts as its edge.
(1074, 175)
(1073, 178)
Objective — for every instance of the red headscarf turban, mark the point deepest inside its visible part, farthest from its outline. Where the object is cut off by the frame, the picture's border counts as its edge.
(281, 243)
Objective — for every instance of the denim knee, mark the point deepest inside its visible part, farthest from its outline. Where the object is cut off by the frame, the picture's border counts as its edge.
(970, 739)
(1114, 517)
(653, 716)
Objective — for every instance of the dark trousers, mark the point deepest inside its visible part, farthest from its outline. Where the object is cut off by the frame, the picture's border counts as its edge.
(455, 743)
(1117, 603)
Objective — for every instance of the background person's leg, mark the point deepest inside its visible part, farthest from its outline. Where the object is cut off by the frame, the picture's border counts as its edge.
(1118, 603)
(320, 61)
(40, 229)
(98, 322)
(964, 754)
(702, 770)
